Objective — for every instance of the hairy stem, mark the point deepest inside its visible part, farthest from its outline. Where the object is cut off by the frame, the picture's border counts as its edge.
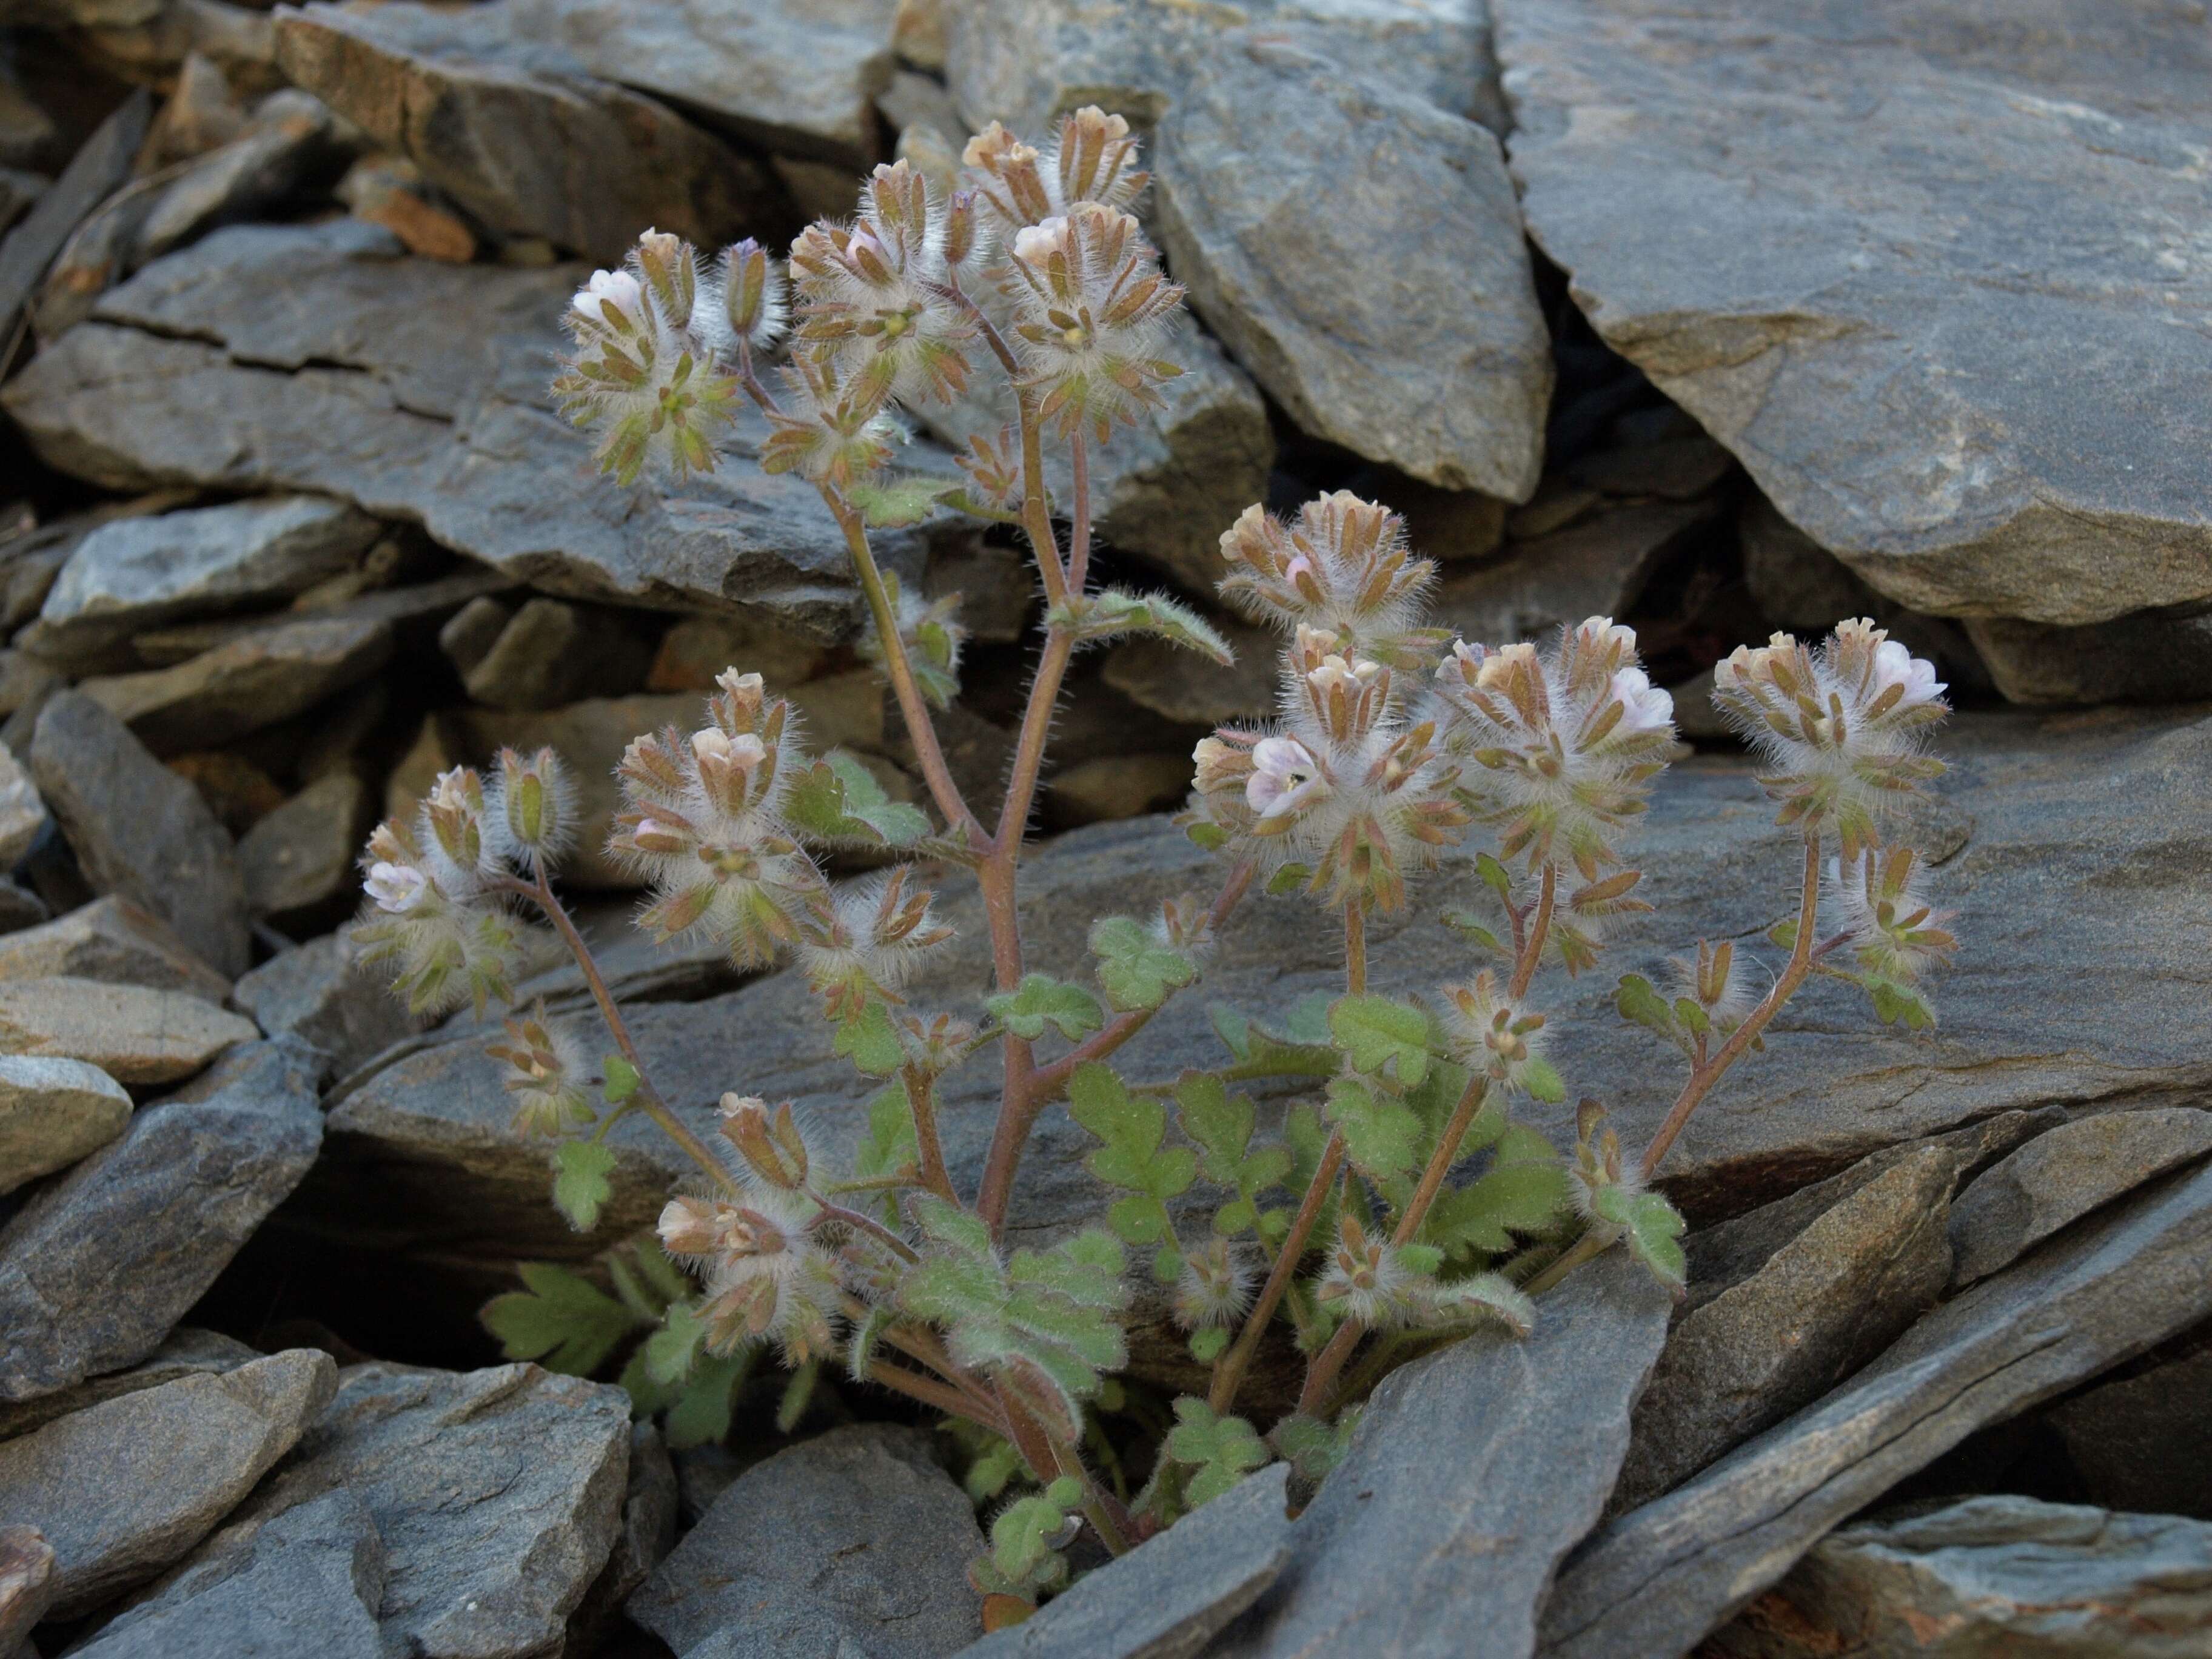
(1531, 952)
(921, 1107)
(855, 1221)
(931, 1392)
(1228, 1371)
(1355, 948)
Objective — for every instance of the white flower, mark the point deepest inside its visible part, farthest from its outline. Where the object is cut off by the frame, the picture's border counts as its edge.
(1894, 664)
(1285, 778)
(397, 888)
(1034, 245)
(1648, 708)
(745, 751)
(624, 290)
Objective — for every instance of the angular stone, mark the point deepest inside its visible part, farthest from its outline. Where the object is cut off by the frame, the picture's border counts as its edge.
(1286, 193)
(54, 1112)
(2102, 816)
(256, 679)
(1661, 1577)
(550, 653)
(111, 940)
(133, 574)
(470, 632)
(498, 1495)
(2141, 1437)
(307, 1581)
(1180, 685)
(123, 1488)
(23, 815)
(94, 173)
(1029, 62)
(1997, 1575)
(101, 1263)
(300, 858)
(1172, 1595)
(203, 112)
(647, 1534)
(19, 908)
(140, 830)
(1596, 568)
(187, 1351)
(2150, 656)
(2059, 1178)
(1886, 343)
(1117, 786)
(856, 1536)
(314, 993)
(795, 77)
(390, 190)
(515, 130)
(1472, 1473)
(133, 1034)
(27, 1574)
(1820, 1307)
(290, 144)
(315, 357)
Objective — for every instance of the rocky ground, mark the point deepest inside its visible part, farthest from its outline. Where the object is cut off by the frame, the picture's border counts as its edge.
(1714, 315)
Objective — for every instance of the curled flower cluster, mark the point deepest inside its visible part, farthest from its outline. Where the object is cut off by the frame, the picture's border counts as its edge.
(1213, 1286)
(1349, 791)
(866, 940)
(643, 369)
(1341, 568)
(1894, 931)
(768, 1279)
(703, 823)
(1562, 743)
(1492, 1036)
(1842, 726)
(1090, 303)
(545, 1076)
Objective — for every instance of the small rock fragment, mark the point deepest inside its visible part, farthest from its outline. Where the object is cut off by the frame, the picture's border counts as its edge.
(27, 1579)
(133, 1034)
(298, 859)
(1597, 566)
(22, 814)
(188, 1351)
(314, 993)
(113, 940)
(552, 653)
(54, 1112)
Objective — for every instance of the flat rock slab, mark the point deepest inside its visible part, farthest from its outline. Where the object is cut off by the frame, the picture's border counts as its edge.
(1931, 272)
(135, 1035)
(122, 1489)
(1472, 1473)
(263, 675)
(54, 1112)
(308, 1583)
(321, 358)
(139, 830)
(1661, 1577)
(1360, 251)
(1820, 1307)
(2059, 1178)
(1998, 1575)
(498, 1495)
(314, 993)
(187, 1351)
(858, 1535)
(2097, 826)
(1172, 1595)
(101, 1263)
(115, 940)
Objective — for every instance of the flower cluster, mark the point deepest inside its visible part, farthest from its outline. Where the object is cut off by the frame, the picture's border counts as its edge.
(1341, 568)
(643, 369)
(864, 941)
(1349, 791)
(1492, 1036)
(1895, 933)
(1562, 743)
(766, 1277)
(703, 823)
(545, 1076)
(1842, 726)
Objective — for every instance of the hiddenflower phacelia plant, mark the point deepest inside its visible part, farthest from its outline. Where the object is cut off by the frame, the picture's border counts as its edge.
(1351, 1227)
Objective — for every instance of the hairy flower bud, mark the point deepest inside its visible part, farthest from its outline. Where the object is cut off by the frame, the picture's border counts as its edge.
(771, 1146)
(753, 299)
(1213, 1286)
(545, 1076)
(535, 802)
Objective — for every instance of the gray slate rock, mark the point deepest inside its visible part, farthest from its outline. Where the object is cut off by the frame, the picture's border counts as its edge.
(27, 1577)
(306, 1582)
(113, 939)
(1473, 1472)
(188, 1351)
(650, 1511)
(1917, 269)
(1596, 568)
(856, 1536)
(123, 1488)
(2148, 656)
(2047, 814)
(1661, 1577)
(1991, 1575)
(2059, 1178)
(316, 357)
(1820, 1307)
(262, 676)
(298, 859)
(291, 144)
(2141, 1437)
(1360, 251)
(550, 653)
(140, 830)
(99, 1266)
(795, 76)
(98, 168)
(515, 130)
(133, 574)
(54, 1112)
(1172, 1595)
(23, 817)
(134, 1034)
(314, 993)
(498, 1495)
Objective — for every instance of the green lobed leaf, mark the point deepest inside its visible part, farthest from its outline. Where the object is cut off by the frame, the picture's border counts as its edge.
(889, 1148)
(1382, 1038)
(1218, 1451)
(1543, 1082)
(1654, 1229)
(1313, 1447)
(701, 1414)
(1383, 1136)
(1040, 1001)
(1301, 1048)
(671, 1351)
(1898, 1004)
(580, 1181)
(622, 1078)
(838, 800)
(560, 1319)
(899, 502)
(1135, 969)
(870, 1041)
